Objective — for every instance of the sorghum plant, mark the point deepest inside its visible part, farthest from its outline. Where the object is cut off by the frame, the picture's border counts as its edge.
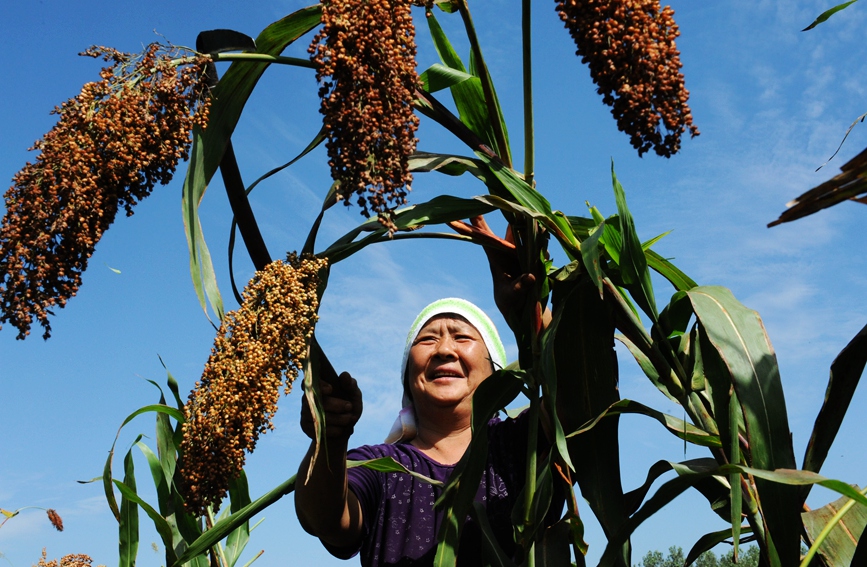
(702, 350)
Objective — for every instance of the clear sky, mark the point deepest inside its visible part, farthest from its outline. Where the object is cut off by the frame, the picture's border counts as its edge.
(772, 104)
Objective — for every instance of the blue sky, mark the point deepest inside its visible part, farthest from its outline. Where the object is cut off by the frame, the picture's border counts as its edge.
(772, 104)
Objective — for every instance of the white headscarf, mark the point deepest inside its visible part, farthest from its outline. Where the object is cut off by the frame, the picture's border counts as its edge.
(404, 428)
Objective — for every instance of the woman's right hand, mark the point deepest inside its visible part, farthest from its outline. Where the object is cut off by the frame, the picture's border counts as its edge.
(342, 405)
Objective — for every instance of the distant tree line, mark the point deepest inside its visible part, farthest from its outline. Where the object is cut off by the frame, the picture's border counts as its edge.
(747, 557)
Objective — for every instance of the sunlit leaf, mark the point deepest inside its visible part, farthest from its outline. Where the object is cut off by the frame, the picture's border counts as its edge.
(823, 17)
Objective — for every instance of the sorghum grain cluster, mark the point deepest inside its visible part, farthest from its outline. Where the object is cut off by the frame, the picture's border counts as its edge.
(365, 57)
(258, 348)
(629, 46)
(112, 144)
(71, 560)
(55, 519)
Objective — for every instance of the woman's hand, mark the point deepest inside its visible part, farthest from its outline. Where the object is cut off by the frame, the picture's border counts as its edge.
(342, 405)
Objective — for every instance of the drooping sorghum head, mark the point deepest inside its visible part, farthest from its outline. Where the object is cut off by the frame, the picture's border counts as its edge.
(112, 144)
(55, 519)
(365, 56)
(629, 47)
(258, 348)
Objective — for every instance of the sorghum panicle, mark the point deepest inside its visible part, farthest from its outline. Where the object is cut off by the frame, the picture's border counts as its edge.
(55, 519)
(112, 144)
(365, 57)
(629, 46)
(71, 560)
(258, 348)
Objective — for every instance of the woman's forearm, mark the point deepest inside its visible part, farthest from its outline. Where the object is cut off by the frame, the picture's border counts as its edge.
(325, 506)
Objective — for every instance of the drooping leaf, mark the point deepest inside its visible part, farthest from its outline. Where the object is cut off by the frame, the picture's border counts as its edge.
(227, 102)
(709, 541)
(201, 267)
(448, 164)
(221, 41)
(835, 529)
(389, 465)
(675, 426)
(846, 371)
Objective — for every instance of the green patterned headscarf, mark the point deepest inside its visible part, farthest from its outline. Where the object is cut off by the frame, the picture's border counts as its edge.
(404, 428)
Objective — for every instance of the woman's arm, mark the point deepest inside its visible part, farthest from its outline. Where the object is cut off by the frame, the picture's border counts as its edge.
(325, 506)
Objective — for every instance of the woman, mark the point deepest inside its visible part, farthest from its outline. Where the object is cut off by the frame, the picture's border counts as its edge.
(390, 518)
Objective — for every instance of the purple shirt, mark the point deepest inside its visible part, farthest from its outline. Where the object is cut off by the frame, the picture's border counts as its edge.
(400, 522)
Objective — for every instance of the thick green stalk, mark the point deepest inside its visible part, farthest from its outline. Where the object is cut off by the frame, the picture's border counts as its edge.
(530, 486)
(529, 147)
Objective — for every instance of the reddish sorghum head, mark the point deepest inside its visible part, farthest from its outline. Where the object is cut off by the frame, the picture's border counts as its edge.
(630, 49)
(112, 144)
(365, 57)
(258, 348)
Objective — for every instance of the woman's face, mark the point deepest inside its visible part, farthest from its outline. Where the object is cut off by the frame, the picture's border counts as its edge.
(447, 361)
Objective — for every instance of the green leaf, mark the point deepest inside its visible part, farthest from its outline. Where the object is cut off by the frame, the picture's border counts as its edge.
(468, 94)
(823, 17)
(227, 102)
(669, 271)
(162, 526)
(128, 521)
(709, 541)
(493, 394)
(846, 371)
(201, 268)
(675, 426)
(439, 77)
(492, 550)
(587, 377)
(746, 361)
(590, 256)
(226, 525)
(438, 210)
(553, 549)
(423, 162)
(239, 494)
(389, 465)
(835, 529)
(633, 263)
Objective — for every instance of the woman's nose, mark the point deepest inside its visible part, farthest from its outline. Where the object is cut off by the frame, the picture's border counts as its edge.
(446, 348)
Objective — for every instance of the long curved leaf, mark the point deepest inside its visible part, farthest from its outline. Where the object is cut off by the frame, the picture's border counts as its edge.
(162, 526)
(846, 371)
(227, 102)
(675, 426)
(748, 363)
(225, 526)
(709, 541)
